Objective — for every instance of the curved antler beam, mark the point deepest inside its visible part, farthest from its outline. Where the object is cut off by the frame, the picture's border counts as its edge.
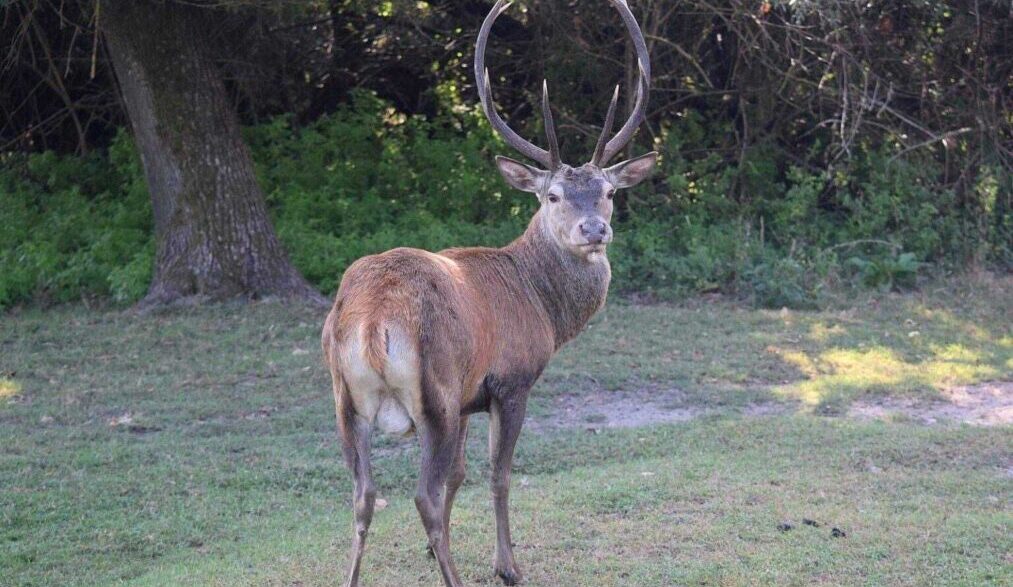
(625, 134)
(604, 151)
(547, 159)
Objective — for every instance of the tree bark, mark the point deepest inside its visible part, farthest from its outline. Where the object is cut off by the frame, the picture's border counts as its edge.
(214, 238)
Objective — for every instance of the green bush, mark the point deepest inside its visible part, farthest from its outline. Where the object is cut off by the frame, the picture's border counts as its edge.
(368, 178)
(886, 272)
(74, 226)
(781, 283)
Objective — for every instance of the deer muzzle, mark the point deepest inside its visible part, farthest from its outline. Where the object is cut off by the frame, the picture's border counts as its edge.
(595, 231)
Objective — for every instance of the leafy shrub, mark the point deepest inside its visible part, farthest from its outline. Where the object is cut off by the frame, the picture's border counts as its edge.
(368, 178)
(781, 283)
(72, 226)
(888, 272)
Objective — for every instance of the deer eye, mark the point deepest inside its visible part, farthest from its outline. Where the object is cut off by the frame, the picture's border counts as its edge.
(554, 197)
(610, 193)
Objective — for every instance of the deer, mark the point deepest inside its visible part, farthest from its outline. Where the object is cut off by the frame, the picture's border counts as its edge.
(416, 342)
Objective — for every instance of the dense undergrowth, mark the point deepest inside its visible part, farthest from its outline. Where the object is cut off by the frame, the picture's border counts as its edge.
(369, 178)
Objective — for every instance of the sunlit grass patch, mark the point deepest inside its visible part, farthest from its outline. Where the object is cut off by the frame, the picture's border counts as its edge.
(821, 332)
(900, 345)
(949, 320)
(914, 345)
(839, 371)
(9, 388)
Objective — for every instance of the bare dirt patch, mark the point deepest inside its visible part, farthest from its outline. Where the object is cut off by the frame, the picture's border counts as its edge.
(621, 409)
(983, 404)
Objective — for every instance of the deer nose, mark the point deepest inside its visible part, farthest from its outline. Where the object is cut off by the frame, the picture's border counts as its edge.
(594, 231)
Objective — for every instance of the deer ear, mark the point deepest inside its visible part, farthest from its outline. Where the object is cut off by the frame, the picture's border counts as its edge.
(632, 171)
(523, 177)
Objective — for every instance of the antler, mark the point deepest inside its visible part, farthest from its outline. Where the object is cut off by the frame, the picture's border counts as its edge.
(550, 128)
(604, 151)
(606, 129)
(550, 158)
(602, 155)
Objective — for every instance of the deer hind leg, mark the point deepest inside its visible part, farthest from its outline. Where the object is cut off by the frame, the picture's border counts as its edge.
(439, 441)
(505, 420)
(355, 435)
(457, 473)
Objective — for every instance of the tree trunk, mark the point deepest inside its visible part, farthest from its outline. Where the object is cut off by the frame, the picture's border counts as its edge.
(214, 238)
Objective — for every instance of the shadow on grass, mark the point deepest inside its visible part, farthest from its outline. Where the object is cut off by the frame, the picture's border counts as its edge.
(908, 349)
(914, 346)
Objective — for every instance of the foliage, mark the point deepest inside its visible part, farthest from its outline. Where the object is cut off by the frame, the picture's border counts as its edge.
(781, 283)
(369, 178)
(803, 142)
(74, 227)
(886, 272)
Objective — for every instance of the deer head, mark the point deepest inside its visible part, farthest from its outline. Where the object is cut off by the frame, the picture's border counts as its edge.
(576, 202)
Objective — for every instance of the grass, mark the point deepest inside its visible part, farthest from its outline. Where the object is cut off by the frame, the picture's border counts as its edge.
(198, 447)
(887, 344)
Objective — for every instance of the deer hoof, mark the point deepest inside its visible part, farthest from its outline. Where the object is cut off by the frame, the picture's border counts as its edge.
(509, 576)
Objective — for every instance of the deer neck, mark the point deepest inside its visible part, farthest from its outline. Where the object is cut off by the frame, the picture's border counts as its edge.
(570, 288)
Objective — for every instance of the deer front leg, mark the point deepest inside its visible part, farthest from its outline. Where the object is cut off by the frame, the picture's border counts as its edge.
(505, 420)
(439, 447)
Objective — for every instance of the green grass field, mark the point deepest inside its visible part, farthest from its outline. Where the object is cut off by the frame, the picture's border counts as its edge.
(198, 447)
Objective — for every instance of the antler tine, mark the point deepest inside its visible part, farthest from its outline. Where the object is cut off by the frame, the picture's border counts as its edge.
(485, 93)
(606, 129)
(550, 128)
(628, 129)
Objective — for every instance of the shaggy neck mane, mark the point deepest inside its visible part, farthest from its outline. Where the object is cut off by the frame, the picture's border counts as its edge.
(570, 289)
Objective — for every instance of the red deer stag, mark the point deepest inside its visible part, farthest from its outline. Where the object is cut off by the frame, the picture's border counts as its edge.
(420, 340)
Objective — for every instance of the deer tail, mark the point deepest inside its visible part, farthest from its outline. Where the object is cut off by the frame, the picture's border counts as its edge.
(375, 345)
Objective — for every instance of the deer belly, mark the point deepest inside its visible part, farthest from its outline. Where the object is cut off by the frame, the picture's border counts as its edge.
(393, 418)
